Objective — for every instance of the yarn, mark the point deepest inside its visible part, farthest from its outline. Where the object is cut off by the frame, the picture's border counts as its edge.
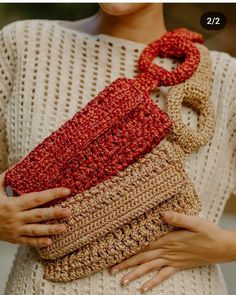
(116, 128)
(113, 220)
(106, 229)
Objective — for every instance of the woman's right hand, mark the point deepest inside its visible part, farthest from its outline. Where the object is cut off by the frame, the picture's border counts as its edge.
(20, 217)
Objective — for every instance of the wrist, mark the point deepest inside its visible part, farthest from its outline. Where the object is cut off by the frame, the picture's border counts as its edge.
(230, 244)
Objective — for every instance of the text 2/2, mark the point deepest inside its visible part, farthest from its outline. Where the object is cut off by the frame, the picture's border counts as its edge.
(213, 20)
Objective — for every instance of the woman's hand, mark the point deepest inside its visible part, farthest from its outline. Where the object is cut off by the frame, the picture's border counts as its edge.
(19, 217)
(201, 243)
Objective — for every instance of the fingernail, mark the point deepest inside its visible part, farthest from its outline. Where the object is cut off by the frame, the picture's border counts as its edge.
(166, 214)
(142, 290)
(48, 243)
(125, 282)
(114, 271)
(62, 228)
(66, 213)
(66, 191)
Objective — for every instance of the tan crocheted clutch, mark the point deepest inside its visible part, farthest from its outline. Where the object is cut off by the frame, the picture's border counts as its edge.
(120, 216)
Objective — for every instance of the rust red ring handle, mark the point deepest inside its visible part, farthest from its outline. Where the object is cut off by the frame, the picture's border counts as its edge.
(178, 43)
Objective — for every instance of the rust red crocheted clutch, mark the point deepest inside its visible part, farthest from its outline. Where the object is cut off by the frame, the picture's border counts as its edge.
(115, 129)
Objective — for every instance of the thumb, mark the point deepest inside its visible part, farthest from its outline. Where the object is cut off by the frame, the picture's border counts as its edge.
(190, 222)
(2, 186)
(3, 193)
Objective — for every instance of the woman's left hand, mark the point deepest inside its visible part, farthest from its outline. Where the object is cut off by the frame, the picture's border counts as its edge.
(199, 242)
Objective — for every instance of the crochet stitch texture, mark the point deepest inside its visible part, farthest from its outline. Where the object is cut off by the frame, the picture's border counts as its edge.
(117, 218)
(115, 129)
(47, 72)
(122, 115)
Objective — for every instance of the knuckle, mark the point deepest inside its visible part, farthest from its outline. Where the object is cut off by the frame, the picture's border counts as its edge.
(143, 258)
(151, 266)
(22, 206)
(37, 200)
(13, 226)
(8, 207)
(173, 263)
(123, 265)
(15, 234)
(38, 216)
(21, 222)
(33, 231)
(170, 243)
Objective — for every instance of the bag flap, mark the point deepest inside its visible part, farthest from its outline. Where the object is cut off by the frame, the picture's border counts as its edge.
(142, 186)
(45, 163)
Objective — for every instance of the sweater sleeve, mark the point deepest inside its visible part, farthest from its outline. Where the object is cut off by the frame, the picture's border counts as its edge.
(231, 125)
(6, 82)
(233, 136)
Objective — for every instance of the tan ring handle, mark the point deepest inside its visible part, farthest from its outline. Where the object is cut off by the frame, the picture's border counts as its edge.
(195, 92)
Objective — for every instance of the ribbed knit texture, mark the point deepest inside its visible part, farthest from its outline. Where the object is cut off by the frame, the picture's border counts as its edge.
(49, 73)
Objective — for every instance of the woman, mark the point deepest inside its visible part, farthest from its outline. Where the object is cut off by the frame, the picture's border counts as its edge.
(49, 70)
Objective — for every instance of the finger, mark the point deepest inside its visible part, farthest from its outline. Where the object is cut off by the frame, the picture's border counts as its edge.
(43, 214)
(42, 229)
(137, 259)
(161, 276)
(35, 242)
(143, 269)
(190, 222)
(36, 199)
(3, 193)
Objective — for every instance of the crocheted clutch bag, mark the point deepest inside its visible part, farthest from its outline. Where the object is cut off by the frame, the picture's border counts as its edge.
(120, 216)
(117, 218)
(115, 129)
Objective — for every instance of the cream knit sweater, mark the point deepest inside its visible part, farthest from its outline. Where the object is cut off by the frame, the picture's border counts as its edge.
(47, 73)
